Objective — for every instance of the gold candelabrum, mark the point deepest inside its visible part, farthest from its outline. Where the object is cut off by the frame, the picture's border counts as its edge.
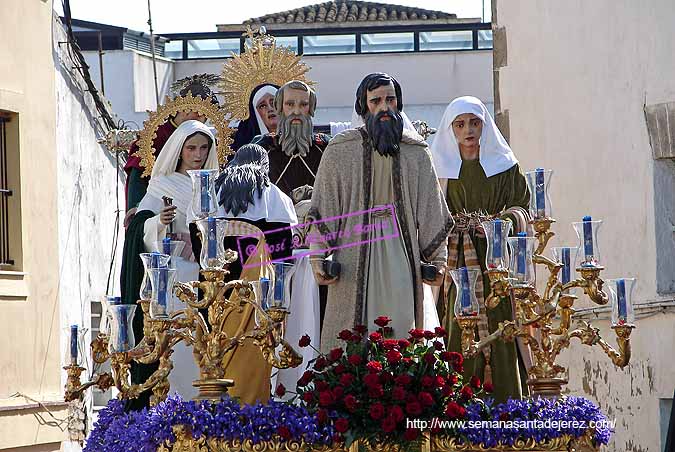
(544, 321)
(208, 338)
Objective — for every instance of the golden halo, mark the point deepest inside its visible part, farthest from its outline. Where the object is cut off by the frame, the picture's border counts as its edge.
(172, 107)
(262, 62)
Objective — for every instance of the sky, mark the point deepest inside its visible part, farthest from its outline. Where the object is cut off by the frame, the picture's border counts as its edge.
(184, 16)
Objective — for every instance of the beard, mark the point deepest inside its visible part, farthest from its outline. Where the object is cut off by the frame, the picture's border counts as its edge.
(295, 138)
(385, 135)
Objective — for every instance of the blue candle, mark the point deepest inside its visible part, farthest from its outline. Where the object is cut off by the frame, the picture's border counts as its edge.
(567, 266)
(204, 191)
(540, 195)
(621, 298)
(521, 253)
(588, 238)
(154, 259)
(264, 289)
(166, 246)
(465, 295)
(123, 338)
(497, 239)
(73, 344)
(162, 289)
(279, 283)
(211, 242)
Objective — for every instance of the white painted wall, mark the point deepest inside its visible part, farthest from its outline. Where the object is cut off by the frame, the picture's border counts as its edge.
(129, 82)
(577, 78)
(90, 191)
(429, 80)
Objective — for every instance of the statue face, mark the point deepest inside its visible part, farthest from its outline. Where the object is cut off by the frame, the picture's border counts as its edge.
(194, 153)
(382, 98)
(265, 108)
(296, 102)
(467, 128)
(183, 116)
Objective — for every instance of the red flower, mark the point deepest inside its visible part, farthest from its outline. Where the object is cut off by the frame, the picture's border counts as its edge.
(335, 354)
(453, 379)
(455, 411)
(396, 413)
(351, 403)
(447, 391)
(488, 387)
(345, 335)
(438, 345)
(475, 382)
(393, 356)
(458, 368)
(413, 408)
(308, 397)
(389, 344)
(466, 392)
(354, 360)
(361, 329)
(341, 425)
(388, 425)
(284, 432)
(411, 434)
(445, 356)
(280, 391)
(338, 392)
(440, 331)
(430, 358)
(407, 361)
(382, 321)
(347, 379)
(320, 363)
(399, 393)
(306, 378)
(304, 341)
(416, 333)
(338, 438)
(340, 369)
(425, 398)
(429, 334)
(440, 381)
(456, 358)
(326, 398)
(356, 338)
(322, 416)
(427, 381)
(371, 380)
(376, 411)
(320, 385)
(375, 392)
(386, 377)
(374, 366)
(403, 380)
(403, 343)
(375, 337)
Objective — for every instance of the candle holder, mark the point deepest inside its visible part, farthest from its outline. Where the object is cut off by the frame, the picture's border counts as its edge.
(466, 303)
(204, 202)
(544, 320)
(540, 203)
(172, 248)
(212, 233)
(151, 260)
(205, 334)
(496, 233)
(162, 281)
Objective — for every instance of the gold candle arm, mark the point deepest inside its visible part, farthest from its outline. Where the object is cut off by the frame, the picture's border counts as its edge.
(622, 357)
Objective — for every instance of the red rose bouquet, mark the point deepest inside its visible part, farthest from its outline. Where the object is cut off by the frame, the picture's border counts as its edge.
(375, 388)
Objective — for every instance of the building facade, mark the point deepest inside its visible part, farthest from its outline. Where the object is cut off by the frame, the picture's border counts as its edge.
(586, 89)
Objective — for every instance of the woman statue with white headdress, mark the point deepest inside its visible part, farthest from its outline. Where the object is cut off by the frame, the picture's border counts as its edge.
(481, 180)
(190, 147)
(262, 116)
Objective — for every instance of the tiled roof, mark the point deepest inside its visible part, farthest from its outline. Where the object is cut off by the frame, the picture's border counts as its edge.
(350, 12)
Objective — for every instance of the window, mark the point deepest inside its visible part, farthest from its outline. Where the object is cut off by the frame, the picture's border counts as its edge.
(10, 207)
(484, 39)
(317, 45)
(446, 40)
(387, 42)
(174, 49)
(282, 41)
(212, 48)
